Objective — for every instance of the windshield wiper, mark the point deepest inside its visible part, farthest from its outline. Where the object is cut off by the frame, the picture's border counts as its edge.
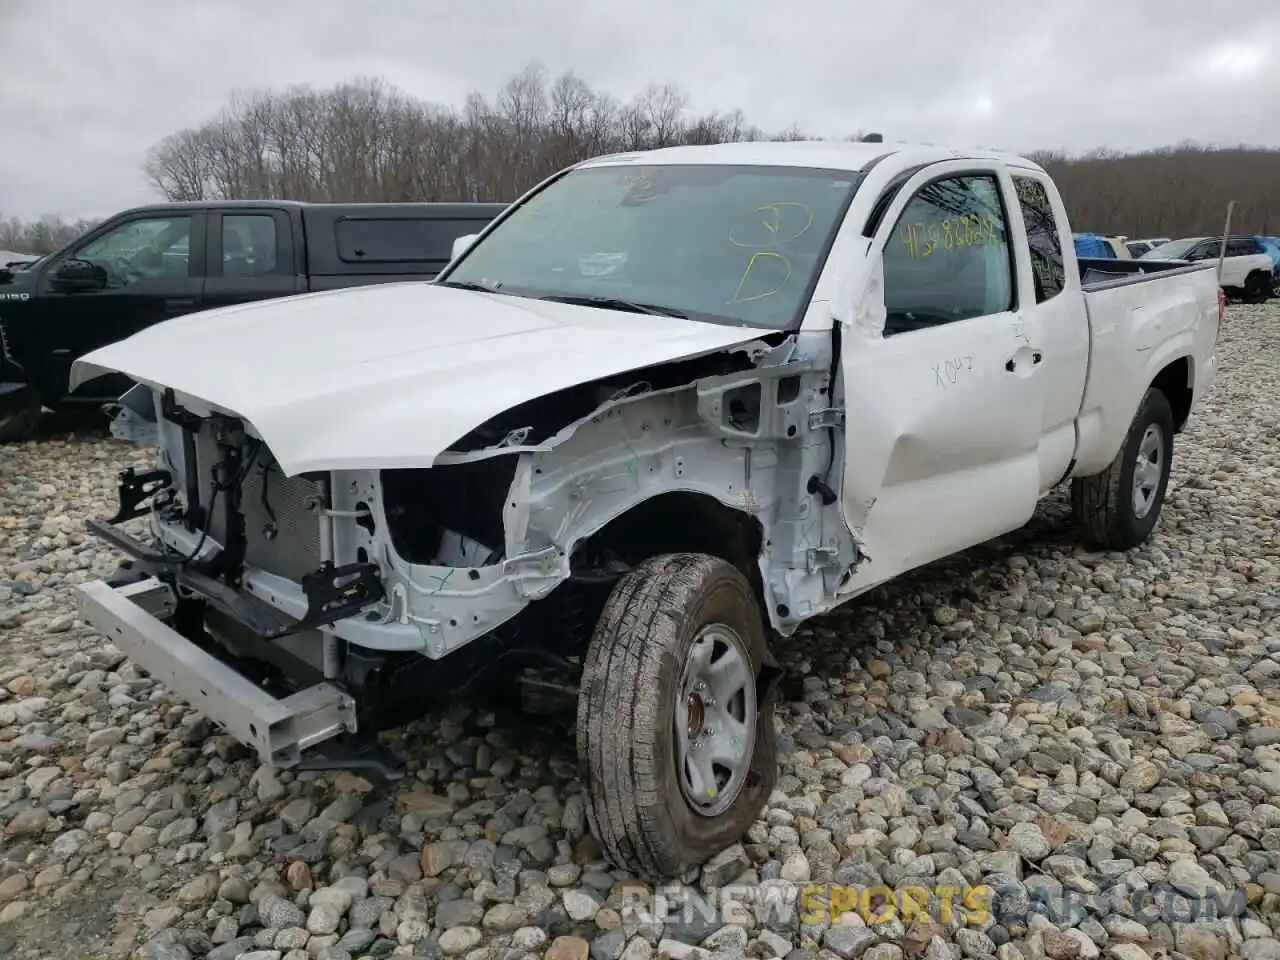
(467, 285)
(615, 303)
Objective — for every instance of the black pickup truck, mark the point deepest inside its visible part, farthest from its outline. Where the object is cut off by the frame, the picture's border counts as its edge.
(151, 263)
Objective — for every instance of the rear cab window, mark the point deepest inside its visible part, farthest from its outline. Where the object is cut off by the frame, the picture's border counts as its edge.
(400, 239)
(1043, 237)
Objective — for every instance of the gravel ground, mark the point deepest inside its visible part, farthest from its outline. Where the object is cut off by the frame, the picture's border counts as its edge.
(1027, 716)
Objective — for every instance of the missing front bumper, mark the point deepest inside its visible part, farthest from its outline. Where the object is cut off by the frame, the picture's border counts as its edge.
(278, 729)
(333, 593)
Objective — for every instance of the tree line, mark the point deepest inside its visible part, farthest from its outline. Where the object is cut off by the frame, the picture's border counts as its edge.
(39, 236)
(365, 141)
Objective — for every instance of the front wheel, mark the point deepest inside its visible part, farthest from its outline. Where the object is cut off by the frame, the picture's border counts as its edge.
(675, 716)
(1118, 508)
(20, 414)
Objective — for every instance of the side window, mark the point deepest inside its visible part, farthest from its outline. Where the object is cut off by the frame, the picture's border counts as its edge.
(249, 245)
(1042, 237)
(1242, 248)
(147, 249)
(948, 257)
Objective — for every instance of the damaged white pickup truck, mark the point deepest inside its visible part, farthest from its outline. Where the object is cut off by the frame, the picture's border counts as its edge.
(668, 405)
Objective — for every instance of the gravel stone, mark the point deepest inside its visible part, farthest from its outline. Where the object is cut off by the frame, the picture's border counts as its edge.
(459, 940)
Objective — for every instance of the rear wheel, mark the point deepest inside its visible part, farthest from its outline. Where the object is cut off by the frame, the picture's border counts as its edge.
(675, 716)
(1258, 287)
(1118, 508)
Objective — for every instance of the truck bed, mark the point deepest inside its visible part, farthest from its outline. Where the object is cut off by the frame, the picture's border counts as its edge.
(354, 244)
(1135, 306)
(1097, 273)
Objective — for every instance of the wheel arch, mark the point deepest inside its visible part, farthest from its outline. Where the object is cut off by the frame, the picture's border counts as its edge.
(1176, 380)
(679, 521)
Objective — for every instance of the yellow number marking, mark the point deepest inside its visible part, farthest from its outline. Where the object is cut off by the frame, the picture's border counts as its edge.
(953, 233)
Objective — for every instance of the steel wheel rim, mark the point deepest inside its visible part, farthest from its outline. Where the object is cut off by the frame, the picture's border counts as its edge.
(1148, 468)
(715, 720)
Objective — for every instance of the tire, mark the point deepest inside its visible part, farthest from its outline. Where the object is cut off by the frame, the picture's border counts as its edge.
(1258, 287)
(631, 701)
(1105, 505)
(19, 423)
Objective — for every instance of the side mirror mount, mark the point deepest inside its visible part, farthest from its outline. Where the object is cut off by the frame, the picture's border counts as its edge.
(463, 244)
(78, 276)
(870, 311)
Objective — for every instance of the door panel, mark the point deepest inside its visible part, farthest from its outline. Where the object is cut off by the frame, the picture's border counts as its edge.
(1060, 330)
(251, 257)
(152, 263)
(944, 409)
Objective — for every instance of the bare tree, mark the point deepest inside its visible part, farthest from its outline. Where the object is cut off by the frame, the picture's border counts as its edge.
(363, 140)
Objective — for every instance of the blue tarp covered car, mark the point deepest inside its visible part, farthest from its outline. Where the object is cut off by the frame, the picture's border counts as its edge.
(1092, 245)
(1272, 246)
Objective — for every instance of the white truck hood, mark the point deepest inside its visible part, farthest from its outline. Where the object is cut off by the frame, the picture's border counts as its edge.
(391, 375)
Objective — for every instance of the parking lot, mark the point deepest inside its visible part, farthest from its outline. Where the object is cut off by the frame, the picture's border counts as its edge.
(1026, 709)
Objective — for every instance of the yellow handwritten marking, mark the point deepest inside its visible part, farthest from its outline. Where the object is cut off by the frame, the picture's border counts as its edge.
(782, 222)
(966, 230)
(755, 258)
(771, 217)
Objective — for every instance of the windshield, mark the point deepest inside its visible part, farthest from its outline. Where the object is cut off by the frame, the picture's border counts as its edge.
(1173, 250)
(726, 244)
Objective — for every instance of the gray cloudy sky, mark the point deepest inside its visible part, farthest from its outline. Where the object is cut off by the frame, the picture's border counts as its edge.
(87, 86)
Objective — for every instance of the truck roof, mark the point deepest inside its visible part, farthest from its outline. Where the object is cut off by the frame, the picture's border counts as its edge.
(443, 209)
(854, 156)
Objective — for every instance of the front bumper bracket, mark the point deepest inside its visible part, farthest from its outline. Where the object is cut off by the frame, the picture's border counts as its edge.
(278, 729)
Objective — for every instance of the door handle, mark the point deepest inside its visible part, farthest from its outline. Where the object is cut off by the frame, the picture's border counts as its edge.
(180, 303)
(1019, 360)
